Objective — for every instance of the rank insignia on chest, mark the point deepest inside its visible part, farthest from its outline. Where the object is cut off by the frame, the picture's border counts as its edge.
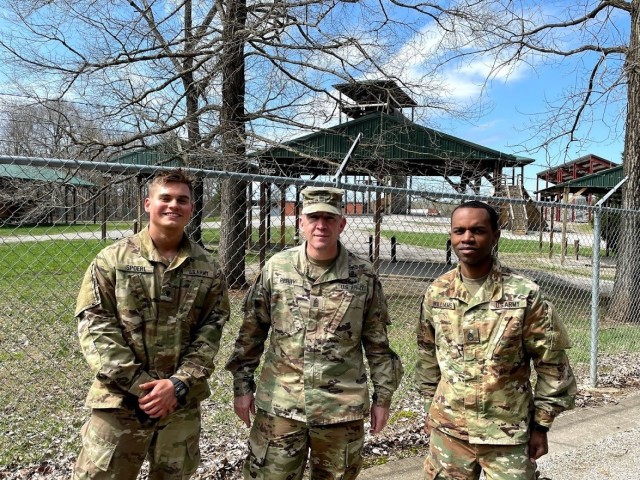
(471, 335)
(316, 301)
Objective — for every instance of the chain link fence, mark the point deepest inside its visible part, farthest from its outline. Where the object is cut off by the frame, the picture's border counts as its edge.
(56, 215)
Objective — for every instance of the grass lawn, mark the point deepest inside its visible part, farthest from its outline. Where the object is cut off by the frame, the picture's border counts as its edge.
(211, 236)
(9, 231)
(438, 240)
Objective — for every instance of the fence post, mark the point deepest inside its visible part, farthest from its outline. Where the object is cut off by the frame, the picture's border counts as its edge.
(551, 218)
(393, 249)
(595, 294)
(565, 201)
(448, 249)
(595, 280)
(104, 214)
(371, 248)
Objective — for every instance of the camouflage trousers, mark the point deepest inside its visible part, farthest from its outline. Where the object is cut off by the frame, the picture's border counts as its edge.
(115, 444)
(450, 458)
(279, 447)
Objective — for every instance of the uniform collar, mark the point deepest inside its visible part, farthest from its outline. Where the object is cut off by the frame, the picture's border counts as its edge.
(149, 251)
(490, 291)
(339, 271)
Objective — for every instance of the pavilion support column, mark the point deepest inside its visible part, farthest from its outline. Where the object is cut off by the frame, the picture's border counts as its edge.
(283, 216)
(377, 220)
(139, 187)
(74, 199)
(563, 244)
(249, 230)
(262, 229)
(296, 208)
(269, 203)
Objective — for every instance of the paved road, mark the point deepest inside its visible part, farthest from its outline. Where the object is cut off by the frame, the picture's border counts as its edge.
(585, 444)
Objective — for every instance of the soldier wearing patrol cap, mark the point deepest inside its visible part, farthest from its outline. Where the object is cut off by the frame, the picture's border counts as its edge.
(481, 327)
(150, 314)
(324, 310)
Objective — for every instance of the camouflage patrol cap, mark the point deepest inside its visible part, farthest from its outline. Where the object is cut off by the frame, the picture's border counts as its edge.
(322, 199)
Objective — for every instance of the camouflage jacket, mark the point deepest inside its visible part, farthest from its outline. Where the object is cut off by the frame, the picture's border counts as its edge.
(474, 358)
(314, 369)
(140, 320)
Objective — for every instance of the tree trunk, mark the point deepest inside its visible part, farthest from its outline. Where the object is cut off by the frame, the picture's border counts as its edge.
(193, 126)
(627, 281)
(232, 120)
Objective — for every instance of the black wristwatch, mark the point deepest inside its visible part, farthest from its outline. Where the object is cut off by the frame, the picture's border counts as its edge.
(181, 391)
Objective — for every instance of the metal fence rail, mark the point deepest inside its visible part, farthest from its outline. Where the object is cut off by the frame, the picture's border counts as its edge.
(59, 214)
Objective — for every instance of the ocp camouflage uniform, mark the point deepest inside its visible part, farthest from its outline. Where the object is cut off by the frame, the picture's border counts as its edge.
(139, 319)
(313, 371)
(474, 362)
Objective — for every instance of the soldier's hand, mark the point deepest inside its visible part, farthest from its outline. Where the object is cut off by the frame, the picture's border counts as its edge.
(538, 445)
(244, 406)
(379, 417)
(161, 399)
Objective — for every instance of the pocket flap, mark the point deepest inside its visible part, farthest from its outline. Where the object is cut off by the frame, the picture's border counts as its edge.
(100, 451)
(353, 452)
(258, 448)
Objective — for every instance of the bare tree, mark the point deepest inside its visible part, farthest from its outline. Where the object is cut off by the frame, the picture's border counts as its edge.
(48, 128)
(229, 76)
(234, 197)
(602, 39)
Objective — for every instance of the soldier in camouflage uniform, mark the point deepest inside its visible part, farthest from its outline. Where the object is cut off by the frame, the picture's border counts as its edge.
(150, 315)
(481, 327)
(322, 306)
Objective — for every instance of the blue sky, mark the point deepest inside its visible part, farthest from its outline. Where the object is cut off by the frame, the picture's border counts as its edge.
(505, 112)
(507, 102)
(515, 99)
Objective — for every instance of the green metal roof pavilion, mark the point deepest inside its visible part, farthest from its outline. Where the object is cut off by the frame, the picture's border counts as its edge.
(41, 174)
(596, 183)
(391, 145)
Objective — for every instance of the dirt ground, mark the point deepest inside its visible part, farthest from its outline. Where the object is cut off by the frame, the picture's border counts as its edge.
(224, 452)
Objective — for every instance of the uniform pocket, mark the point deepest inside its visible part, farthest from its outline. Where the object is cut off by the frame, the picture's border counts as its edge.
(191, 290)
(192, 458)
(559, 337)
(286, 316)
(506, 342)
(336, 308)
(353, 452)
(136, 309)
(258, 449)
(99, 450)
(444, 334)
